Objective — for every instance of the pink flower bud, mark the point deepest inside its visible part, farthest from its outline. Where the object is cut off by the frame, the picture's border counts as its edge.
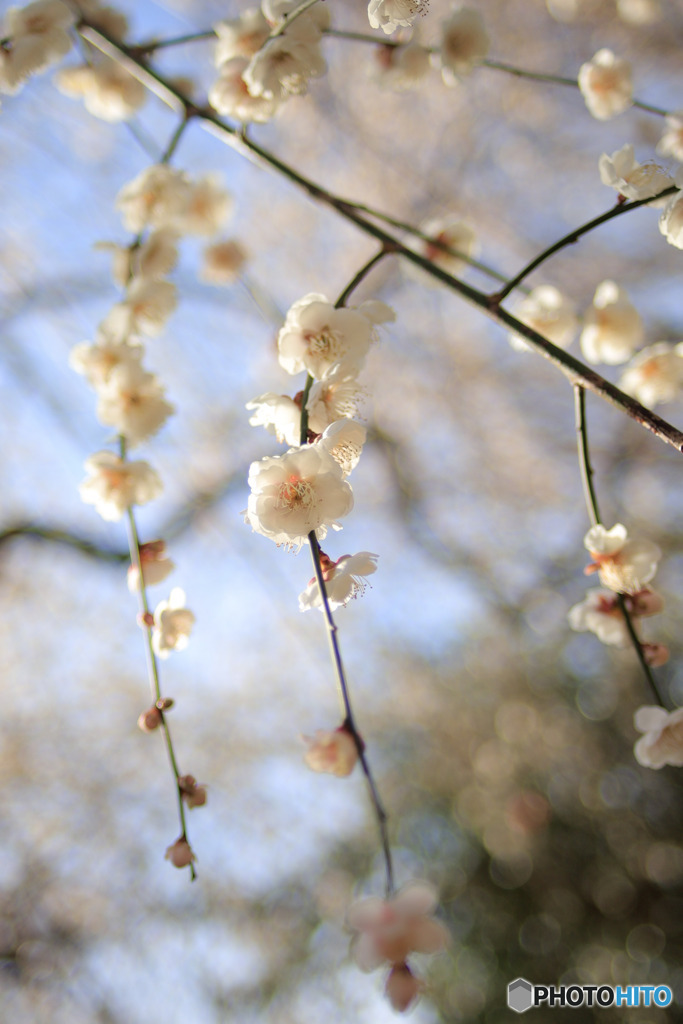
(655, 654)
(334, 752)
(180, 853)
(165, 703)
(402, 987)
(192, 794)
(645, 602)
(150, 719)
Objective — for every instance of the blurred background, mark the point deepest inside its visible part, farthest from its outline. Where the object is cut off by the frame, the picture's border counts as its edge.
(501, 741)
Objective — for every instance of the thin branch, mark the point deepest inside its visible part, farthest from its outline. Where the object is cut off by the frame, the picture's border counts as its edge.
(146, 49)
(292, 16)
(574, 236)
(577, 371)
(176, 137)
(65, 537)
(360, 276)
(594, 516)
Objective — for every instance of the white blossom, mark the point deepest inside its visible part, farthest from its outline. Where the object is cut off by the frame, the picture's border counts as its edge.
(317, 336)
(457, 234)
(241, 36)
(295, 493)
(37, 36)
(173, 624)
(639, 12)
(671, 220)
(331, 751)
(207, 205)
(663, 740)
(621, 171)
(338, 395)
(279, 414)
(612, 327)
(344, 579)
(230, 95)
(108, 90)
(344, 441)
(601, 614)
(283, 67)
(222, 262)
(154, 199)
(671, 142)
(155, 564)
(624, 565)
(464, 44)
(154, 258)
(96, 362)
(115, 484)
(132, 401)
(606, 84)
(392, 14)
(547, 311)
(145, 310)
(401, 67)
(655, 374)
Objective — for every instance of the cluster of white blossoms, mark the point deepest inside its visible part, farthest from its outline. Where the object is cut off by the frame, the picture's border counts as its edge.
(625, 567)
(662, 742)
(549, 312)
(388, 931)
(612, 326)
(263, 61)
(107, 90)
(33, 38)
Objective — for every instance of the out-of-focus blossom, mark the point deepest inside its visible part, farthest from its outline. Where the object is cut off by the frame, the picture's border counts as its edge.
(284, 65)
(206, 208)
(388, 931)
(279, 414)
(655, 374)
(108, 90)
(155, 564)
(295, 493)
(309, 25)
(663, 740)
(547, 311)
(671, 142)
(606, 84)
(37, 36)
(180, 853)
(114, 484)
(655, 655)
(132, 401)
(223, 262)
(671, 220)
(401, 67)
(336, 396)
(230, 95)
(612, 327)
(639, 12)
(102, 16)
(344, 441)
(392, 14)
(155, 198)
(192, 794)
(318, 337)
(241, 36)
(96, 362)
(402, 988)
(464, 44)
(600, 613)
(154, 258)
(173, 624)
(147, 306)
(624, 565)
(457, 235)
(621, 171)
(334, 752)
(344, 579)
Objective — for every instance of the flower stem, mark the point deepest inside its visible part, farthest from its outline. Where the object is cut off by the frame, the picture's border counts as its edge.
(362, 273)
(292, 16)
(594, 516)
(152, 664)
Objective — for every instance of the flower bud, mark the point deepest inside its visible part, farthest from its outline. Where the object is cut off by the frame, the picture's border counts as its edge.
(165, 703)
(180, 853)
(192, 794)
(150, 719)
(334, 752)
(655, 654)
(402, 987)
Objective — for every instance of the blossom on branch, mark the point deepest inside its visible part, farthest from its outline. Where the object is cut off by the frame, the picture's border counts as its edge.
(344, 579)
(241, 36)
(612, 327)
(464, 44)
(97, 362)
(453, 233)
(192, 794)
(318, 337)
(400, 67)
(547, 311)
(344, 440)
(279, 414)
(222, 262)
(624, 565)
(622, 172)
(154, 199)
(337, 396)
(35, 37)
(173, 624)
(334, 752)
(132, 401)
(606, 84)
(115, 484)
(146, 308)
(392, 14)
(663, 740)
(295, 493)
(108, 90)
(155, 564)
(284, 65)
(655, 375)
(671, 142)
(671, 220)
(601, 614)
(180, 853)
(230, 95)
(154, 258)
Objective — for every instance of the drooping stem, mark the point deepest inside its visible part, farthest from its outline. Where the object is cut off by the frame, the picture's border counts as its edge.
(360, 276)
(175, 138)
(594, 516)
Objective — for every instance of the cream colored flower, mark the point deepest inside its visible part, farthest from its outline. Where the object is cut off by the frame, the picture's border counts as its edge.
(337, 396)
(606, 84)
(114, 485)
(655, 374)
(96, 362)
(155, 564)
(392, 14)
(154, 199)
(230, 95)
(401, 67)
(154, 258)
(173, 624)
(663, 740)
(464, 44)
(601, 614)
(344, 440)
(671, 220)
(133, 403)
(457, 235)
(612, 327)
(145, 310)
(108, 90)
(671, 142)
(333, 752)
(279, 414)
(222, 262)
(621, 171)
(547, 311)
(240, 37)
(624, 565)
(206, 208)
(344, 579)
(284, 66)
